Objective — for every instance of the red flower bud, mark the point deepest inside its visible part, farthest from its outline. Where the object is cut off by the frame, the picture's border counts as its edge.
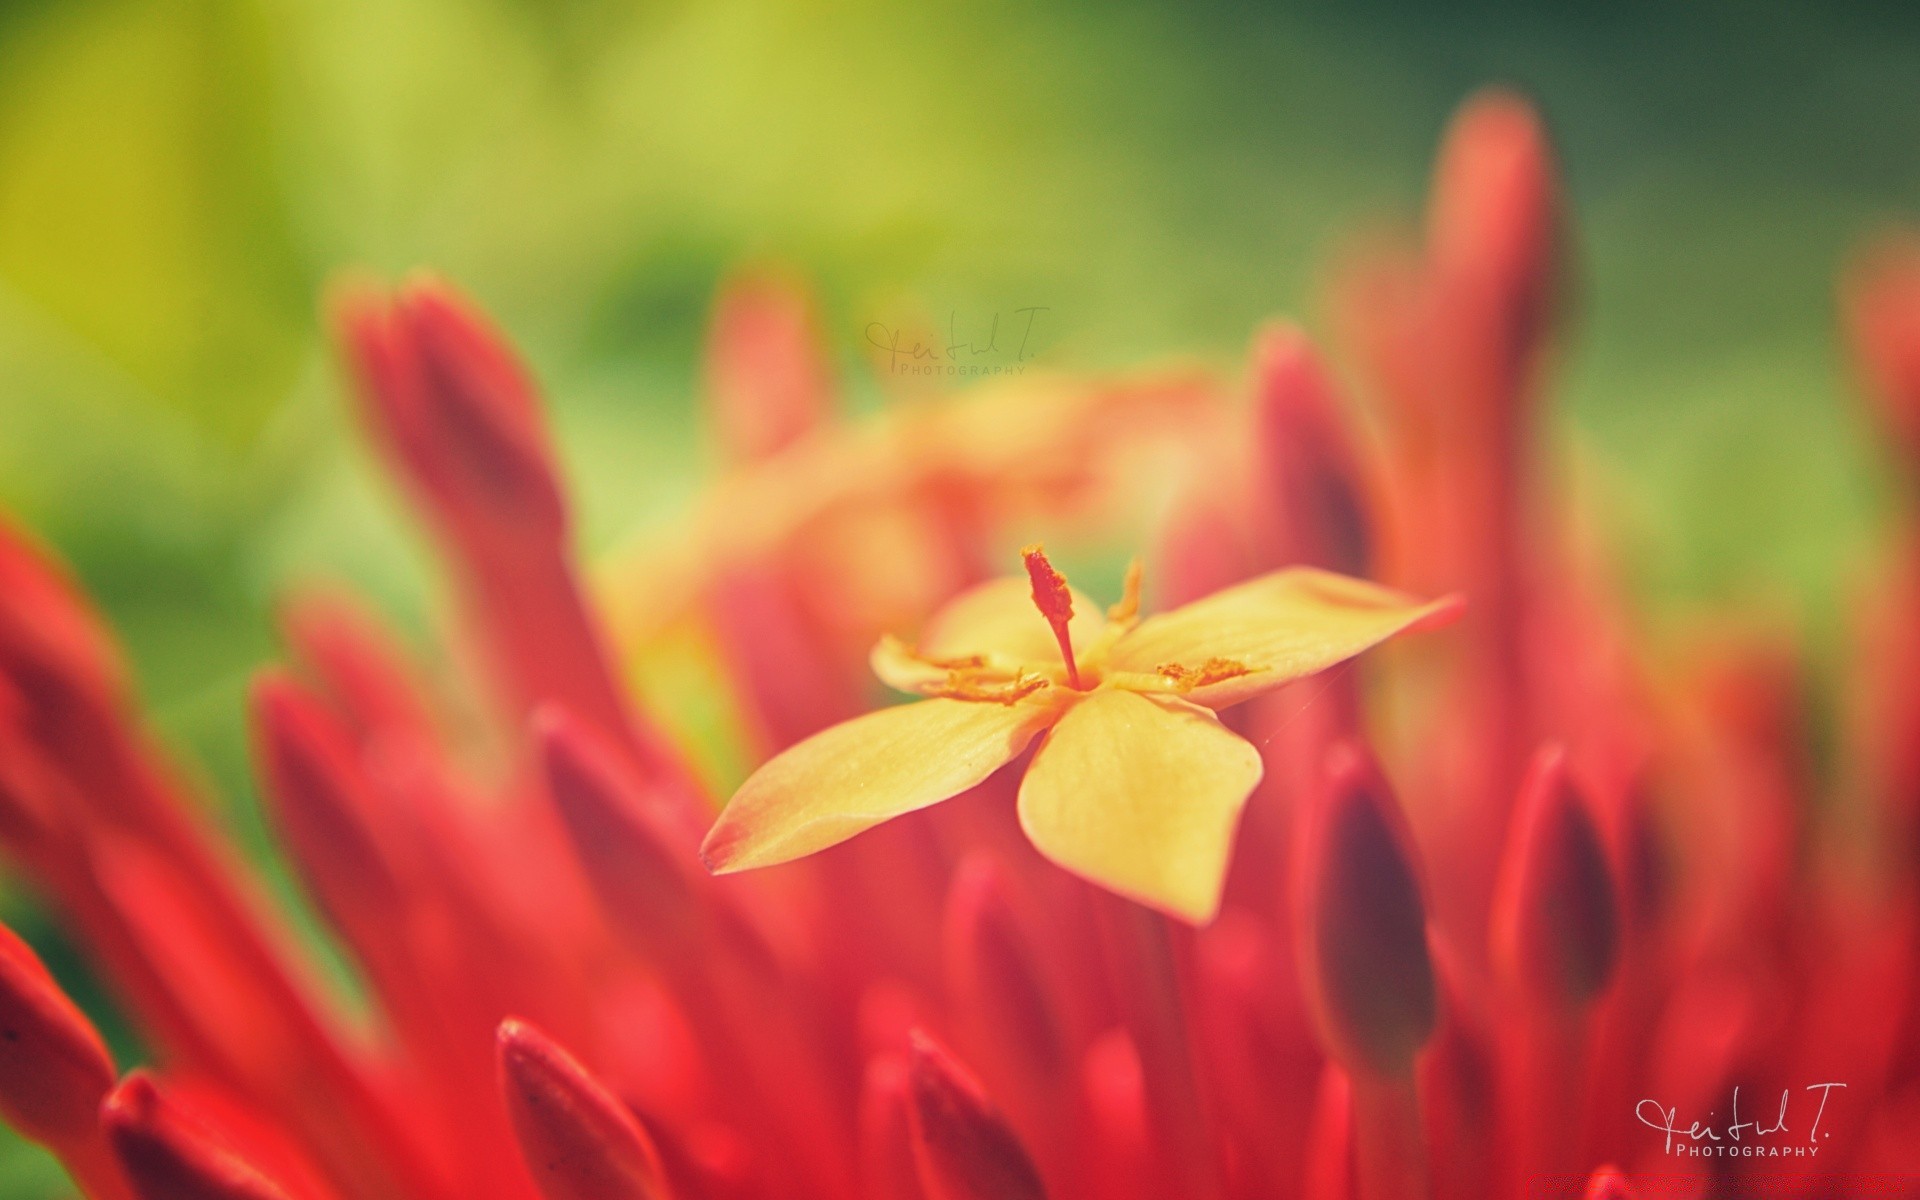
(54, 1069)
(887, 1169)
(1492, 232)
(358, 666)
(455, 407)
(1881, 298)
(1556, 918)
(1307, 463)
(168, 1156)
(623, 837)
(766, 374)
(1362, 922)
(963, 1146)
(318, 796)
(579, 1141)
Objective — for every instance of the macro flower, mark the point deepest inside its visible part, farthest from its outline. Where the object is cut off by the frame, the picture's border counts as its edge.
(1522, 915)
(825, 531)
(1135, 786)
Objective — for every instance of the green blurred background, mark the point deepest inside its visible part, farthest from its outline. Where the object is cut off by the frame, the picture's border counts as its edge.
(179, 179)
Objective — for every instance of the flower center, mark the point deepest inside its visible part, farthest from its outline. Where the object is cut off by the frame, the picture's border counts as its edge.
(1055, 602)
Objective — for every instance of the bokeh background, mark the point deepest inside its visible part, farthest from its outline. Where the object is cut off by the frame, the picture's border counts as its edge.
(179, 179)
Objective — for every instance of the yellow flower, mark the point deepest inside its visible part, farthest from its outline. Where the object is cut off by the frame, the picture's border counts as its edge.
(1137, 785)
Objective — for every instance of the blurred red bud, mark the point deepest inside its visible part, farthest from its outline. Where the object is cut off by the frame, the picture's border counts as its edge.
(317, 794)
(766, 372)
(1556, 918)
(1362, 922)
(622, 835)
(579, 1141)
(168, 1156)
(963, 1146)
(1493, 226)
(1880, 300)
(1306, 459)
(54, 1069)
(454, 407)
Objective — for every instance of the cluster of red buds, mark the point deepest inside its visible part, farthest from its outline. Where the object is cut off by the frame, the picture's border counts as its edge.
(1513, 913)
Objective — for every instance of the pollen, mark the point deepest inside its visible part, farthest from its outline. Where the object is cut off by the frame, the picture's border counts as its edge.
(960, 686)
(1055, 602)
(1214, 670)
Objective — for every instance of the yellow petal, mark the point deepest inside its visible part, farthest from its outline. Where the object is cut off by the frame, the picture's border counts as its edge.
(1141, 794)
(997, 620)
(1257, 635)
(859, 773)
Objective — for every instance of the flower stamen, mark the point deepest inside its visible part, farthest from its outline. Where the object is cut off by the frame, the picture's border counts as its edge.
(960, 686)
(1055, 602)
(1214, 670)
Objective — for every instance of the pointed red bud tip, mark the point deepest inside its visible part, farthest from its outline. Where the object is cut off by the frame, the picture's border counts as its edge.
(54, 1069)
(887, 1167)
(44, 613)
(168, 1156)
(313, 782)
(766, 372)
(1307, 458)
(357, 661)
(1608, 1183)
(626, 847)
(962, 1144)
(1556, 912)
(1880, 295)
(579, 1141)
(1494, 217)
(454, 404)
(1362, 922)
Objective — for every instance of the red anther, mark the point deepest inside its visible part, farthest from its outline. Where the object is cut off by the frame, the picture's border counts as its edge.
(963, 1146)
(1362, 922)
(1055, 602)
(1556, 914)
(579, 1141)
(168, 1156)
